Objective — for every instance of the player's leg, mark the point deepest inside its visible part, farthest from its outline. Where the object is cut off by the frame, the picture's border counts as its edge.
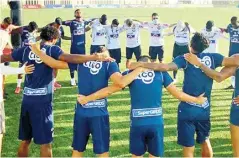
(234, 126)
(160, 52)
(175, 54)
(186, 131)
(81, 135)
(42, 127)
(2, 124)
(137, 52)
(19, 81)
(137, 141)
(56, 84)
(100, 130)
(155, 139)
(115, 54)
(232, 86)
(25, 132)
(203, 131)
(152, 54)
(129, 54)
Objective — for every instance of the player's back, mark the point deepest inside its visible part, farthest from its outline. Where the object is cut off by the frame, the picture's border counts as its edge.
(93, 76)
(37, 86)
(146, 97)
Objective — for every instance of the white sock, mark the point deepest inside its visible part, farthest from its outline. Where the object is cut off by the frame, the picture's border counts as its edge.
(19, 81)
(54, 80)
(233, 81)
(72, 79)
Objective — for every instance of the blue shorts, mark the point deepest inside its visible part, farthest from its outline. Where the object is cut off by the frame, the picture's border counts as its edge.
(135, 50)
(147, 138)
(234, 115)
(115, 54)
(98, 127)
(78, 49)
(156, 51)
(36, 121)
(95, 48)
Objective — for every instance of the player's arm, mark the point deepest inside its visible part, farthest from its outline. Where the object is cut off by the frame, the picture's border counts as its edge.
(174, 91)
(217, 76)
(119, 82)
(172, 25)
(63, 35)
(154, 66)
(17, 31)
(7, 70)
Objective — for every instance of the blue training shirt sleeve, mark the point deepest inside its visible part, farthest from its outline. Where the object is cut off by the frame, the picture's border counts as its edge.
(125, 72)
(180, 62)
(17, 54)
(56, 51)
(167, 79)
(66, 23)
(218, 58)
(112, 68)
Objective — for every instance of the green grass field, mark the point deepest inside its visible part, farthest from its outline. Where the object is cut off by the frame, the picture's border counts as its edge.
(119, 103)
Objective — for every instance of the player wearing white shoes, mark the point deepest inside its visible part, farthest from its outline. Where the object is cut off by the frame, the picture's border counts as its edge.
(98, 34)
(213, 34)
(113, 41)
(132, 40)
(156, 31)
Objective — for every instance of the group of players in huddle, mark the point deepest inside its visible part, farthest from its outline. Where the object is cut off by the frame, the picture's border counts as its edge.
(197, 56)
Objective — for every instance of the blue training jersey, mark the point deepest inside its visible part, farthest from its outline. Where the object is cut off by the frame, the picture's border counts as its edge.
(38, 87)
(196, 82)
(93, 76)
(146, 97)
(236, 90)
(77, 29)
(27, 37)
(234, 39)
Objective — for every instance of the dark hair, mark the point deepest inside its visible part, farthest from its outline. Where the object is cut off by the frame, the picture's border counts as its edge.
(199, 42)
(144, 58)
(7, 20)
(32, 26)
(58, 21)
(49, 33)
(155, 14)
(77, 10)
(104, 16)
(115, 22)
(234, 18)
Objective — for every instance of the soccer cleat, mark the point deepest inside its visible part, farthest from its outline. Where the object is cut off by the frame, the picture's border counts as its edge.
(17, 90)
(57, 85)
(73, 82)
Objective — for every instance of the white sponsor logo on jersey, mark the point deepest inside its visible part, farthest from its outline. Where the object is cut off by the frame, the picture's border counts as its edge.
(147, 77)
(94, 66)
(206, 60)
(33, 56)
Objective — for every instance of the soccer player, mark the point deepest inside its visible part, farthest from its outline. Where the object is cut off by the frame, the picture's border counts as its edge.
(6, 70)
(219, 77)
(28, 34)
(98, 34)
(147, 127)
(193, 118)
(36, 120)
(233, 30)
(181, 32)
(132, 40)
(58, 24)
(78, 28)
(156, 31)
(93, 118)
(213, 34)
(113, 41)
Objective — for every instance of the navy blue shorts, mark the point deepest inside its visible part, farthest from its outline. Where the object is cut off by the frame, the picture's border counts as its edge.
(95, 48)
(234, 115)
(36, 121)
(99, 129)
(135, 50)
(115, 54)
(147, 138)
(187, 129)
(78, 49)
(155, 52)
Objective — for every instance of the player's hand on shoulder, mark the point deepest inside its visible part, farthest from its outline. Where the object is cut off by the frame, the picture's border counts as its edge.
(82, 99)
(34, 47)
(236, 100)
(192, 59)
(29, 69)
(201, 99)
